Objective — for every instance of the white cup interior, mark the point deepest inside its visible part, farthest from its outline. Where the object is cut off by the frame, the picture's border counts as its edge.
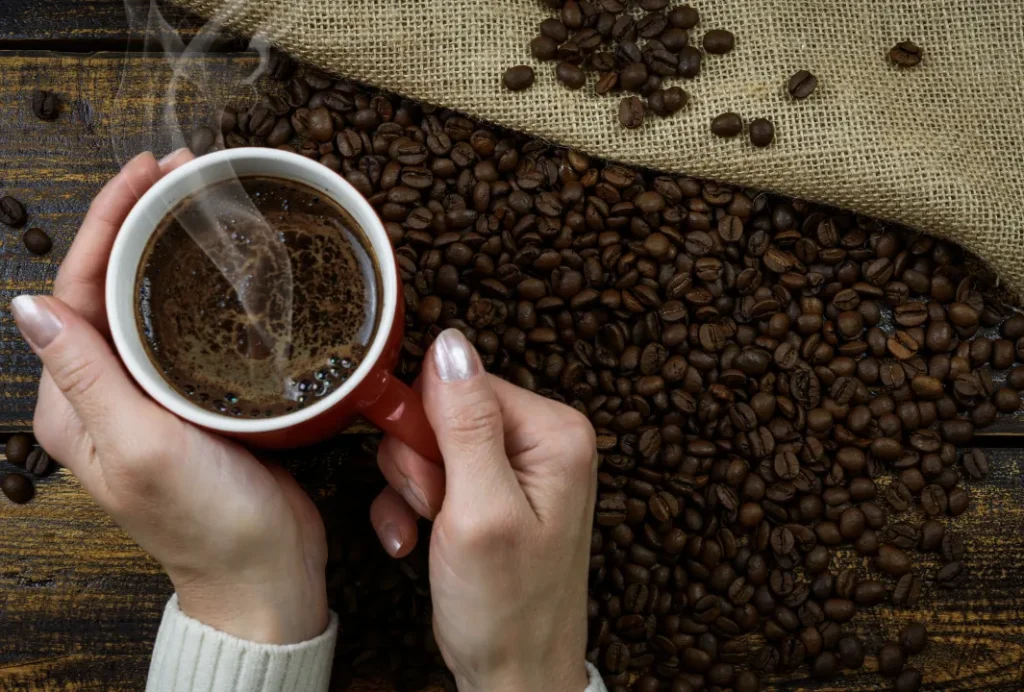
(164, 197)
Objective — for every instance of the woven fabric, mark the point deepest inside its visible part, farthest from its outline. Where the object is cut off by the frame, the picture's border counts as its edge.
(938, 147)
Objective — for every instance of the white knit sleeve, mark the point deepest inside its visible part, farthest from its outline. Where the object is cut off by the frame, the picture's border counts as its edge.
(192, 657)
(596, 683)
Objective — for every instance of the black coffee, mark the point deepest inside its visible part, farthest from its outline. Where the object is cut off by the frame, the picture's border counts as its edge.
(257, 308)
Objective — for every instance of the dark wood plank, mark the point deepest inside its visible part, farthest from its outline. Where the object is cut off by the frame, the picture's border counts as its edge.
(103, 22)
(79, 603)
(111, 112)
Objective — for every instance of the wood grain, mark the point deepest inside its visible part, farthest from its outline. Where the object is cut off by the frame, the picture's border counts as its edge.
(112, 111)
(80, 604)
(101, 22)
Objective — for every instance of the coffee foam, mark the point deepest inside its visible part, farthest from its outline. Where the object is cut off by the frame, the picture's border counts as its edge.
(274, 314)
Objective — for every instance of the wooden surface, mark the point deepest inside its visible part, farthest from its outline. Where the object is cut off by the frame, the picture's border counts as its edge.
(105, 22)
(79, 603)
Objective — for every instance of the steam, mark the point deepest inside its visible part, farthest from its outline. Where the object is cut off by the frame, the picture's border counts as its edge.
(177, 95)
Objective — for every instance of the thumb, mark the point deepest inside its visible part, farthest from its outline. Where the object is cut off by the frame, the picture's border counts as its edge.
(80, 362)
(465, 414)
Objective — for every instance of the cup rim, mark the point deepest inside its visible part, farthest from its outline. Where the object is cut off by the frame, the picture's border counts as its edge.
(124, 328)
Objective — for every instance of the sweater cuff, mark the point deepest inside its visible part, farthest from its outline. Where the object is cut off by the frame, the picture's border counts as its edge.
(596, 683)
(192, 657)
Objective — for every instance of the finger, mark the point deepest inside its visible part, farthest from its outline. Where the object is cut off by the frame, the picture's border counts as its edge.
(81, 278)
(175, 160)
(466, 416)
(82, 366)
(419, 481)
(395, 523)
(552, 448)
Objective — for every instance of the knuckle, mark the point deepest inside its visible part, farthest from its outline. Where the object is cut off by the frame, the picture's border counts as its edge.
(77, 377)
(495, 532)
(471, 420)
(579, 444)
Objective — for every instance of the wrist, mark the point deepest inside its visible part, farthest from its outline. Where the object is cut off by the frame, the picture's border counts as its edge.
(266, 611)
(569, 677)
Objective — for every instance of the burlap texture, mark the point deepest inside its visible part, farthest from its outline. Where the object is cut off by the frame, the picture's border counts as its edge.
(939, 147)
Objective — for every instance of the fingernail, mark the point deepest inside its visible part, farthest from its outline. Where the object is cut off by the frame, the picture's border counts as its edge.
(416, 499)
(170, 157)
(454, 357)
(35, 320)
(390, 537)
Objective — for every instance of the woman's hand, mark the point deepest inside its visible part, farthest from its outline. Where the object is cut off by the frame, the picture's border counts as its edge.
(242, 543)
(513, 508)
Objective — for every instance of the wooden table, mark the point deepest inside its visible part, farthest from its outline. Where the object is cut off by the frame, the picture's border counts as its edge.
(79, 602)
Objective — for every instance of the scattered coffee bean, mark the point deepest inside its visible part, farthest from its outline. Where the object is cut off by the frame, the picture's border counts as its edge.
(518, 78)
(907, 591)
(719, 41)
(631, 112)
(905, 54)
(37, 241)
(690, 59)
(46, 105)
(12, 213)
(802, 84)
(202, 140)
(17, 487)
(18, 447)
(727, 125)
(38, 462)
(762, 132)
(683, 17)
(570, 75)
(890, 660)
(908, 680)
(913, 638)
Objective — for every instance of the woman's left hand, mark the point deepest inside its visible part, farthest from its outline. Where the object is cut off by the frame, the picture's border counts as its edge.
(240, 540)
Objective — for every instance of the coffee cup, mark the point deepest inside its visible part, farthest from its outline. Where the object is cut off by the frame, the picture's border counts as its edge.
(371, 390)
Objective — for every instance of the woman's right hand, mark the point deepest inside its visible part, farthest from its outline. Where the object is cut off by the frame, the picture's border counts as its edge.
(512, 512)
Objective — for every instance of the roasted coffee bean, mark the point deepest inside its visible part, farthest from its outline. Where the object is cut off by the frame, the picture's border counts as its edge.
(892, 561)
(951, 576)
(36, 241)
(718, 41)
(913, 638)
(17, 487)
(727, 125)
(851, 652)
(932, 533)
(631, 112)
(12, 213)
(908, 680)
(890, 660)
(570, 75)
(905, 54)
(689, 63)
(906, 591)
(45, 105)
(519, 77)
(762, 132)
(38, 462)
(802, 84)
(18, 448)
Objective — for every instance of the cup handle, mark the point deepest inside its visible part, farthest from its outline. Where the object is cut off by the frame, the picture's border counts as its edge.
(399, 412)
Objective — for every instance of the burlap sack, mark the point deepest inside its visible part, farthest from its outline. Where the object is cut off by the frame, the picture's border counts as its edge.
(939, 147)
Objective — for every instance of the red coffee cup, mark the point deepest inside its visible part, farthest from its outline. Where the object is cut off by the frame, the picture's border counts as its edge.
(371, 391)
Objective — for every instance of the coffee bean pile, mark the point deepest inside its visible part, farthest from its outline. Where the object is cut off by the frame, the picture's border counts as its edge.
(22, 452)
(777, 387)
(631, 50)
